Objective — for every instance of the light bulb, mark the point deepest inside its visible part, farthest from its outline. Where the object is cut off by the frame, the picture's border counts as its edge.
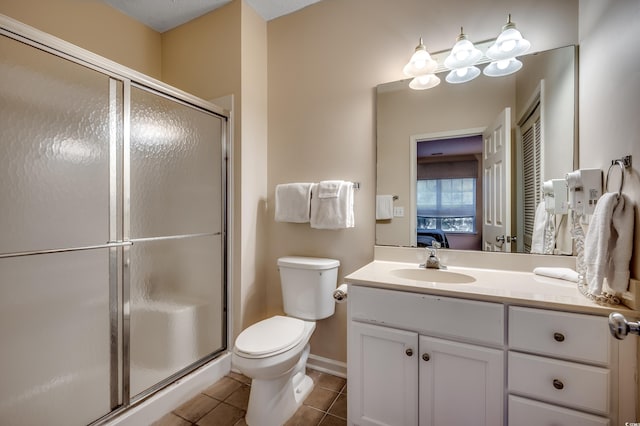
(508, 45)
(462, 72)
(462, 55)
(503, 64)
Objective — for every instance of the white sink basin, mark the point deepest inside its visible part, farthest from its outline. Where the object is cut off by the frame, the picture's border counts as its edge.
(433, 275)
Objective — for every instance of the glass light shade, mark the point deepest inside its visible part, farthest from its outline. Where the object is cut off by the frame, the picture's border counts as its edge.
(423, 82)
(509, 44)
(462, 75)
(420, 63)
(502, 68)
(463, 54)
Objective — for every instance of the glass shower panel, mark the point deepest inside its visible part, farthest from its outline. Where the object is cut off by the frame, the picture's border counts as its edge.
(176, 306)
(54, 329)
(54, 151)
(176, 167)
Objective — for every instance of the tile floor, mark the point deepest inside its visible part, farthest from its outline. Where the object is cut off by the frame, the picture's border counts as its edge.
(225, 404)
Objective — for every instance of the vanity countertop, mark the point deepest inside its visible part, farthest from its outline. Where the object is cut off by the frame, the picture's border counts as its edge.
(492, 285)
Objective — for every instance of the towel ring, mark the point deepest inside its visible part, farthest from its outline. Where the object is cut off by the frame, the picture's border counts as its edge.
(622, 165)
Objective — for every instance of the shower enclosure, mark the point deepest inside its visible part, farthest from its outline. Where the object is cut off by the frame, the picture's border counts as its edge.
(112, 233)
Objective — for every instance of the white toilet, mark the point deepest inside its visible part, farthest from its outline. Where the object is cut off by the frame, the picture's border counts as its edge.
(274, 352)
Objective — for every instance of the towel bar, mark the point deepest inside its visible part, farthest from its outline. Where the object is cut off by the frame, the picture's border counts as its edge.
(624, 163)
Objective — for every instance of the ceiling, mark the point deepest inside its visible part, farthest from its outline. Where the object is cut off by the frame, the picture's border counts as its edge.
(163, 15)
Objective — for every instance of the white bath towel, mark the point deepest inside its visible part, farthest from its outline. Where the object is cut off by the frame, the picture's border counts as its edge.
(539, 227)
(597, 242)
(333, 213)
(329, 188)
(384, 207)
(293, 202)
(560, 273)
(622, 245)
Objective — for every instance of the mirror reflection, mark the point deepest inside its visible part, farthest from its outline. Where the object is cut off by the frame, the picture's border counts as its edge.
(465, 163)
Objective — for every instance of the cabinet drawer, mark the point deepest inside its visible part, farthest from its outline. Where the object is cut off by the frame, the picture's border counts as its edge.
(560, 382)
(576, 337)
(525, 412)
(481, 322)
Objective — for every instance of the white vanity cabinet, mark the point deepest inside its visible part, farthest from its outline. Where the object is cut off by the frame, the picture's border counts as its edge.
(566, 368)
(417, 359)
(420, 359)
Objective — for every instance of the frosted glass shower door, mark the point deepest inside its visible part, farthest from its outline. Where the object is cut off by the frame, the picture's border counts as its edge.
(55, 318)
(176, 223)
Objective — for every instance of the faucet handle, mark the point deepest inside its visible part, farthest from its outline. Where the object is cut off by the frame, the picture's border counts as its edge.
(435, 245)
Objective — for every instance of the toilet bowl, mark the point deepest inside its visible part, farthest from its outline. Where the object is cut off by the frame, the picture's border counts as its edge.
(274, 351)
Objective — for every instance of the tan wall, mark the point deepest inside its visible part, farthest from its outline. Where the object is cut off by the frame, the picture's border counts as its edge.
(93, 26)
(225, 53)
(324, 64)
(610, 95)
(253, 189)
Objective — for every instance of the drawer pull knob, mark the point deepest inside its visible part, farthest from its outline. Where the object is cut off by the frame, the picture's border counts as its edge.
(558, 384)
(559, 337)
(409, 352)
(426, 357)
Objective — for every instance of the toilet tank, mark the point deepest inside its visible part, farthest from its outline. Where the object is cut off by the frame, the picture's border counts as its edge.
(307, 286)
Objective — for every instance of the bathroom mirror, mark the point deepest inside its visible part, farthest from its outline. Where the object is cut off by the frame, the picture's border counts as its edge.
(435, 139)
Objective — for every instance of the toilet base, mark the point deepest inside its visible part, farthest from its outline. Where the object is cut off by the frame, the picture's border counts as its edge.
(273, 402)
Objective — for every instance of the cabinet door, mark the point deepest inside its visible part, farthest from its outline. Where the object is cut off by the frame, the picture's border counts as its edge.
(460, 384)
(383, 376)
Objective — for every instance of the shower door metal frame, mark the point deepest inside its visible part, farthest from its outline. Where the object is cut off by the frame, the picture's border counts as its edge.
(119, 243)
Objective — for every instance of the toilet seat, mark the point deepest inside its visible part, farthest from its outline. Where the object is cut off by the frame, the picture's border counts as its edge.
(270, 337)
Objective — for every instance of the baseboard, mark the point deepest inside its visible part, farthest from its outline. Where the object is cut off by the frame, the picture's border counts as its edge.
(326, 365)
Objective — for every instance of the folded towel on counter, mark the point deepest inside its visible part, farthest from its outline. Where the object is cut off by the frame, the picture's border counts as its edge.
(384, 207)
(293, 202)
(560, 273)
(621, 246)
(329, 188)
(333, 213)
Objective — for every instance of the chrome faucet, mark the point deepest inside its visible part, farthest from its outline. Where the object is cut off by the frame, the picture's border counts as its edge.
(433, 262)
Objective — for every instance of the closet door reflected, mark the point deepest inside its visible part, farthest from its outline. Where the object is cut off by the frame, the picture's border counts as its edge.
(176, 278)
(55, 318)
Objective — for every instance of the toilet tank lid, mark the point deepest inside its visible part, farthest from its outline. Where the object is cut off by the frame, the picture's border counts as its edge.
(300, 262)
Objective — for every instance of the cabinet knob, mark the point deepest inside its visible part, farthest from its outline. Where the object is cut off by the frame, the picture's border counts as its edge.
(409, 352)
(558, 337)
(426, 357)
(558, 384)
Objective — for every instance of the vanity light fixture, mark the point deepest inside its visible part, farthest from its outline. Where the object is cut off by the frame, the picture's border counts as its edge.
(421, 67)
(420, 63)
(504, 50)
(461, 60)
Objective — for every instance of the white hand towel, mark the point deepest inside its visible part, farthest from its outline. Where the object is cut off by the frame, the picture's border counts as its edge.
(560, 273)
(597, 242)
(293, 202)
(622, 245)
(384, 207)
(539, 226)
(329, 188)
(333, 213)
